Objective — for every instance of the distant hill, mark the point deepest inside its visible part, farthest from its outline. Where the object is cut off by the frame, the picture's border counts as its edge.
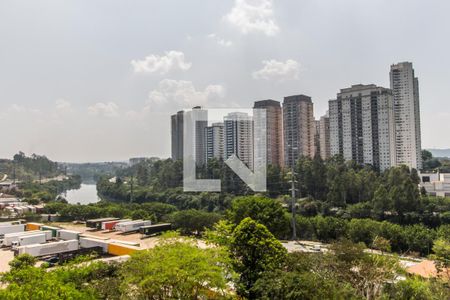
(440, 152)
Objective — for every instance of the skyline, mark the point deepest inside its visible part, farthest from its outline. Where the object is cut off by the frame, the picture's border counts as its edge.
(79, 96)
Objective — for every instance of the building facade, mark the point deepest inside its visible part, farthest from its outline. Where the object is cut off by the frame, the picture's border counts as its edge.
(214, 142)
(200, 143)
(298, 127)
(362, 126)
(238, 137)
(436, 184)
(324, 137)
(177, 135)
(405, 87)
(274, 130)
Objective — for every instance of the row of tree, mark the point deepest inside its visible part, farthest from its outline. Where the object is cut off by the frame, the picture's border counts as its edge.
(416, 238)
(334, 184)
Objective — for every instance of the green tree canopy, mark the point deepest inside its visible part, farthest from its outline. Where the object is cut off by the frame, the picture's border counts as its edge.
(254, 251)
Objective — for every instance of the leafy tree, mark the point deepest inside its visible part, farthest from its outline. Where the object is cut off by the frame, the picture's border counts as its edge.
(193, 221)
(266, 211)
(329, 228)
(382, 244)
(142, 174)
(140, 214)
(276, 181)
(70, 282)
(441, 249)
(419, 238)
(415, 288)
(363, 230)
(381, 201)
(366, 273)
(429, 162)
(280, 285)
(176, 269)
(254, 250)
(158, 209)
(22, 261)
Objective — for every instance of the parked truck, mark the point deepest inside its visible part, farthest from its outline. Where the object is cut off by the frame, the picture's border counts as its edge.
(11, 223)
(29, 240)
(11, 229)
(67, 235)
(53, 229)
(132, 226)
(119, 249)
(10, 238)
(97, 223)
(34, 226)
(87, 243)
(155, 229)
(110, 225)
(48, 249)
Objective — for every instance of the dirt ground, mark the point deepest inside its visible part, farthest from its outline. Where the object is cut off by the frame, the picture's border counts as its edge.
(5, 257)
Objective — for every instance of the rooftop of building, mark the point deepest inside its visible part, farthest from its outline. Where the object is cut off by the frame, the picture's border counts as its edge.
(362, 87)
(297, 98)
(400, 65)
(265, 103)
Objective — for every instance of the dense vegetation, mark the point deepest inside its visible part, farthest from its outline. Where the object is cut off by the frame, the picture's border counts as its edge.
(91, 172)
(35, 192)
(25, 168)
(242, 261)
(329, 188)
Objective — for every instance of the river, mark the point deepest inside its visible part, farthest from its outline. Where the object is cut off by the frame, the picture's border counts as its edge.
(87, 193)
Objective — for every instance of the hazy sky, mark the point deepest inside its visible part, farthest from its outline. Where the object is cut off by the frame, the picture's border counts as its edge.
(84, 80)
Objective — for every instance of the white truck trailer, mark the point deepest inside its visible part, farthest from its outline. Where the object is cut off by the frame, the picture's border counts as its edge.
(67, 235)
(11, 229)
(132, 226)
(30, 240)
(87, 243)
(10, 238)
(49, 249)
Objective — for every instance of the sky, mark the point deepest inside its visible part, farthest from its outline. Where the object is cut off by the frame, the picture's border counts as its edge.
(84, 80)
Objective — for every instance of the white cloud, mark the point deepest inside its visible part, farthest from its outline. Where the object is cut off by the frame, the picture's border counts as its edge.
(253, 16)
(182, 94)
(220, 41)
(109, 109)
(63, 105)
(278, 70)
(162, 64)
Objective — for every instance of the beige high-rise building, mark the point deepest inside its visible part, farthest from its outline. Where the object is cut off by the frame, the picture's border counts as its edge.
(299, 128)
(405, 88)
(324, 137)
(274, 129)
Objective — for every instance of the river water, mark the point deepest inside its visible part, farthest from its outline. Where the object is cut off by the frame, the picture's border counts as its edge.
(87, 193)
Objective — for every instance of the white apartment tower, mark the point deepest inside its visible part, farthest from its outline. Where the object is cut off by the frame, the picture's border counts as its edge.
(238, 137)
(214, 141)
(362, 126)
(405, 87)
